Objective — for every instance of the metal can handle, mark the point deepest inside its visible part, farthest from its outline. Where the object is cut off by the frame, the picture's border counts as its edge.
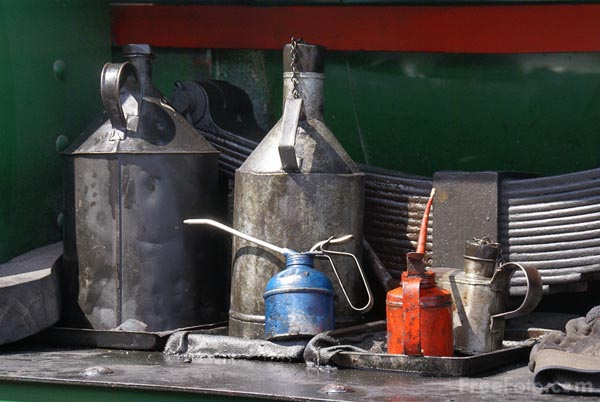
(532, 296)
(411, 315)
(325, 253)
(289, 128)
(112, 80)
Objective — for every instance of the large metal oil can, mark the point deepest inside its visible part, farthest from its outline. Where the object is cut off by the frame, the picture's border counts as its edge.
(131, 178)
(298, 185)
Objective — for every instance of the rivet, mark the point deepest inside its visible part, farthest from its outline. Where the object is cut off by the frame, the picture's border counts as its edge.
(96, 371)
(60, 218)
(337, 389)
(59, 69)
(62, 142)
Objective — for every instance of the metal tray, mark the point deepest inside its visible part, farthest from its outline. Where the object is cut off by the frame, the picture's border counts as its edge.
(443, 366)
(112, 339)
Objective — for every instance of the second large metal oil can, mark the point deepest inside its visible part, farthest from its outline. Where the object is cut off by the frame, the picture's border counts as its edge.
(131, 179)
(298, 185)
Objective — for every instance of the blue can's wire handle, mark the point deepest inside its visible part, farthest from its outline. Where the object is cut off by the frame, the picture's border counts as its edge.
(319, 250)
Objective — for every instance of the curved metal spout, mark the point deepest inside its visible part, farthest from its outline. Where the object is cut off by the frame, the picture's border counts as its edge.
(210, 222)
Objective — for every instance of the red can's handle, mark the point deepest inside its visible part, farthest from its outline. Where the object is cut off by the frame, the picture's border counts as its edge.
(411, 291)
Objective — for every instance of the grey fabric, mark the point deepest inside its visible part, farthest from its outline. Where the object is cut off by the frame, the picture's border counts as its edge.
(319, 351)
(322, 348)
(569, 362)
(195, 345)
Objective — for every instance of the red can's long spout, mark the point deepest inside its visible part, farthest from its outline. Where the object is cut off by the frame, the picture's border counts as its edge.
(423, 232)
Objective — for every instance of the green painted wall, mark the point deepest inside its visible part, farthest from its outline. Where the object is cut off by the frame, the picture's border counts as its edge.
(420, 113)
(36, 107)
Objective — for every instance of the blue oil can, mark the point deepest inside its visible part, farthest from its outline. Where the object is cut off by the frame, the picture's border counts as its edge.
(299, 301)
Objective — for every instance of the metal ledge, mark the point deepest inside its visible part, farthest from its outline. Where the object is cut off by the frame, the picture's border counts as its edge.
(151, 371)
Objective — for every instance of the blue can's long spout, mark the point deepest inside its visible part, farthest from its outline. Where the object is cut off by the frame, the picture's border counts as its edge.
(210, 222)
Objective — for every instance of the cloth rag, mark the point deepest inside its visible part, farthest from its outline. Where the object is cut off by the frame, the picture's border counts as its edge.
(196, 345)
(569, 362)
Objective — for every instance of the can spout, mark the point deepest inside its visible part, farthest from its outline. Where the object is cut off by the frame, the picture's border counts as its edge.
(415, 265)
(423, 232)
(225, 228)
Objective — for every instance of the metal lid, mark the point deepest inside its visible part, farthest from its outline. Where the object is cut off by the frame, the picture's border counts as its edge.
(135, 49)
(482, 249)
(309, 58)
(481, 256)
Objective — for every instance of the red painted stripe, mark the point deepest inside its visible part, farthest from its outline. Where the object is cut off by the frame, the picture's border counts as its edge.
(458, 29)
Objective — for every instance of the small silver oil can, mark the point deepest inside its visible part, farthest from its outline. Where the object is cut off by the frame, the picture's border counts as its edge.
(480, 294)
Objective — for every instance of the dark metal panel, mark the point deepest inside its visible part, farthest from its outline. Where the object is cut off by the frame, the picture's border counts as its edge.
(94, 229)
(169, 274)
(466, 207)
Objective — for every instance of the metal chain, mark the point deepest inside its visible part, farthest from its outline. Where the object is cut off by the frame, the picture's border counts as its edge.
(500, 261)
(294, 56)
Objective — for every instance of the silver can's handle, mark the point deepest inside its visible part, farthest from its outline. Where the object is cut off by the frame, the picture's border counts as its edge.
(532, 296)
(320, 251)
(287, 142)
(112, 80)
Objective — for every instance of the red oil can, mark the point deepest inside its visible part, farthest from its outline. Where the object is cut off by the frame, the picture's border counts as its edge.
(419, 314)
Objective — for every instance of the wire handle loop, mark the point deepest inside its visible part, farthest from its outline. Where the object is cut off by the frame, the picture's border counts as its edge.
(326, 253)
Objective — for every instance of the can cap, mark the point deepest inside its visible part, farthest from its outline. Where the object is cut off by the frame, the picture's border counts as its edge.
(137, 49)
(309, 58)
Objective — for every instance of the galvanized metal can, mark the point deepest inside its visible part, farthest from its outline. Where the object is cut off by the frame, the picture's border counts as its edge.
(298, 301)
(298, 186)
(480, 294)
(130, 180)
